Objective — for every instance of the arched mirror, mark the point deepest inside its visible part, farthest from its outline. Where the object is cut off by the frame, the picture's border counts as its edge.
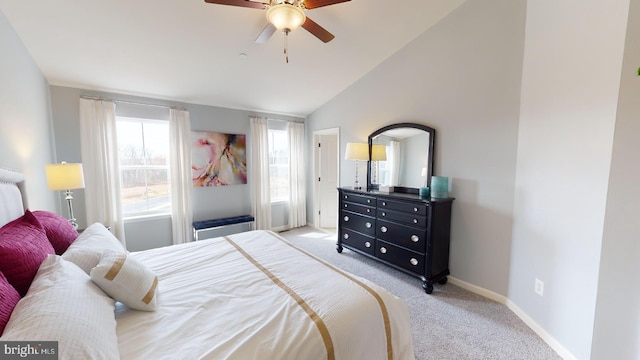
(401, 155)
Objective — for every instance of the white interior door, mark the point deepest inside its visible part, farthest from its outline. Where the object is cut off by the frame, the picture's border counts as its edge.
(327, 179)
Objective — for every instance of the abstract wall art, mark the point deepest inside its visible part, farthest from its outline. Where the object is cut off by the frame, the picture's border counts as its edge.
(218, 159)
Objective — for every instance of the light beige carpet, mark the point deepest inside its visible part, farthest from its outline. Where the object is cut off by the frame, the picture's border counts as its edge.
(451, 323)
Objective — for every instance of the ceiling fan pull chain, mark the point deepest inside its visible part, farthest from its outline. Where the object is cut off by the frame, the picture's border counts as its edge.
(286, 44)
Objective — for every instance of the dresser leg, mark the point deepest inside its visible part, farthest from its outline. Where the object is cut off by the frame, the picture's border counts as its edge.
(339, 248)
(427, 286)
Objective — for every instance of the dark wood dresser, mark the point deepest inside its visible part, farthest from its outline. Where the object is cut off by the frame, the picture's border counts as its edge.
(399, 229)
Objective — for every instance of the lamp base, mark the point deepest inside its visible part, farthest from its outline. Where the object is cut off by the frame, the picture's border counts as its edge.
(69, 198)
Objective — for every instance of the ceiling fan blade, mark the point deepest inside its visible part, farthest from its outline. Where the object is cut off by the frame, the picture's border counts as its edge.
(317, 30)
(312, 4)
(265, 34)
(241, 3)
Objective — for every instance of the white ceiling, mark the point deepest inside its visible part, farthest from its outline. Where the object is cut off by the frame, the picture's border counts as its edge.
(189, 51)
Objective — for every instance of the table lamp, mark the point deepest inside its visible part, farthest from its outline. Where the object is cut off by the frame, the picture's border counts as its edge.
(357, 152)
(66, 177)
(378, 153)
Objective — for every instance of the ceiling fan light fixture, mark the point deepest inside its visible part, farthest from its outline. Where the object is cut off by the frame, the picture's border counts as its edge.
(286, 17)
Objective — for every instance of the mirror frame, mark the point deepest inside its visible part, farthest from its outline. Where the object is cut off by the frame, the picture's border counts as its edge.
(430, 147)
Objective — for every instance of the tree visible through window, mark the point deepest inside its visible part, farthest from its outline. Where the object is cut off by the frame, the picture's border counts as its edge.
(279, 165)
(143, 154)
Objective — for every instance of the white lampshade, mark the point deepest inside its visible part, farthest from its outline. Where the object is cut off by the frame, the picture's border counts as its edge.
(286, 17)
(64, 176)
(357, 151)
(378, 152)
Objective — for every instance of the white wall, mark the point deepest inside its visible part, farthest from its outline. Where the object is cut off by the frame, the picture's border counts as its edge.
(572, 62)
(617, 320)
(25, 125)
(461, 77)
(208, 203)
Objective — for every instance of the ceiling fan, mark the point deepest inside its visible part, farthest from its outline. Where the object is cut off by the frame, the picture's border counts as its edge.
(285, 15)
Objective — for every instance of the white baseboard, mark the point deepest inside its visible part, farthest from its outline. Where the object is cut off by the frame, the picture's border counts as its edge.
(550, 340)
(479, 290)
(546, 337)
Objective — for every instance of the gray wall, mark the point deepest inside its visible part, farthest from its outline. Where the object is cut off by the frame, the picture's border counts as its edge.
(617, 320)
(25, 124)
(208, 203)
(462, 77)
(571, 76)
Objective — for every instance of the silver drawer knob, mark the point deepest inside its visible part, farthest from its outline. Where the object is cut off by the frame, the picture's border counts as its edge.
(367, 244)
(346, 196)
(413, 261)
(384, 214)
(384, 203)
(368, 210)
(415, 238)
(345, 236)
(415, 209)
(368, 201)
(346, 218)
(383, 229)
(383, 250)
(415, 221)
(367, 225)
(346, 205)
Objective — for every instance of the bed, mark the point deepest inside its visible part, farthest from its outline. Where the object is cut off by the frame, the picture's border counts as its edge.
(250, 295)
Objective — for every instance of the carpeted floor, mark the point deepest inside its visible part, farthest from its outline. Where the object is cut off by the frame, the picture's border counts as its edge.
(451, 323)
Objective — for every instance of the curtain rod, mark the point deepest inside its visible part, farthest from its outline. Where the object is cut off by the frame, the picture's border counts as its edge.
(131, 102)
(274, 119)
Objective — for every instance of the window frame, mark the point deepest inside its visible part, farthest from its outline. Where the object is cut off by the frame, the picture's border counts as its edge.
(166, 210)
(271, 130)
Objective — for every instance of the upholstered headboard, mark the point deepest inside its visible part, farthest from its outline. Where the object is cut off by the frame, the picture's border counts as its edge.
(13, 198)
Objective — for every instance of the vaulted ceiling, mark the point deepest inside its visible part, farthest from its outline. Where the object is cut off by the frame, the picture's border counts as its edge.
(191, 51)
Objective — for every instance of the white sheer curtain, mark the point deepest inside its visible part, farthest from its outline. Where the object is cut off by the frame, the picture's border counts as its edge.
(181, 184)
(394, 164)
(100, 162)
(261, 204)
(297, 192)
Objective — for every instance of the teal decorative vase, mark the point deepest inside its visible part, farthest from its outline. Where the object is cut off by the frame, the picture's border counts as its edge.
(424, 192)
(439, 187)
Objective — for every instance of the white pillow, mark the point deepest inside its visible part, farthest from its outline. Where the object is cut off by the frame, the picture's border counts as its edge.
(63, 305)
(87, 250)
(127, 280)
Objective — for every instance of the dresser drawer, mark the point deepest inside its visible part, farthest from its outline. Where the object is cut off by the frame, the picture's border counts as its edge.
(357, 208)
(406, 259)
(359, 199)
(358, 241)
(408, 207)
(403, 217)
(406, 236)
(357, 222)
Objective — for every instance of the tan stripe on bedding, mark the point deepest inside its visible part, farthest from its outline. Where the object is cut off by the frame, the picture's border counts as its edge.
(152, 290)
(383, 307)
(322, 327)
(116, 267)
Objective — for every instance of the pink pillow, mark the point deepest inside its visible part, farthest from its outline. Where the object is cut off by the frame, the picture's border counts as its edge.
(9, 297)
(59, 230)
(23, 247)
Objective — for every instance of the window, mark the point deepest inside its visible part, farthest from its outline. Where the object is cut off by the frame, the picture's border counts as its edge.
(279, 165)
(143, 155)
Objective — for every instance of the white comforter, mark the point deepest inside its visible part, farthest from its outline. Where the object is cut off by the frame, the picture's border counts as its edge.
(255, 296)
